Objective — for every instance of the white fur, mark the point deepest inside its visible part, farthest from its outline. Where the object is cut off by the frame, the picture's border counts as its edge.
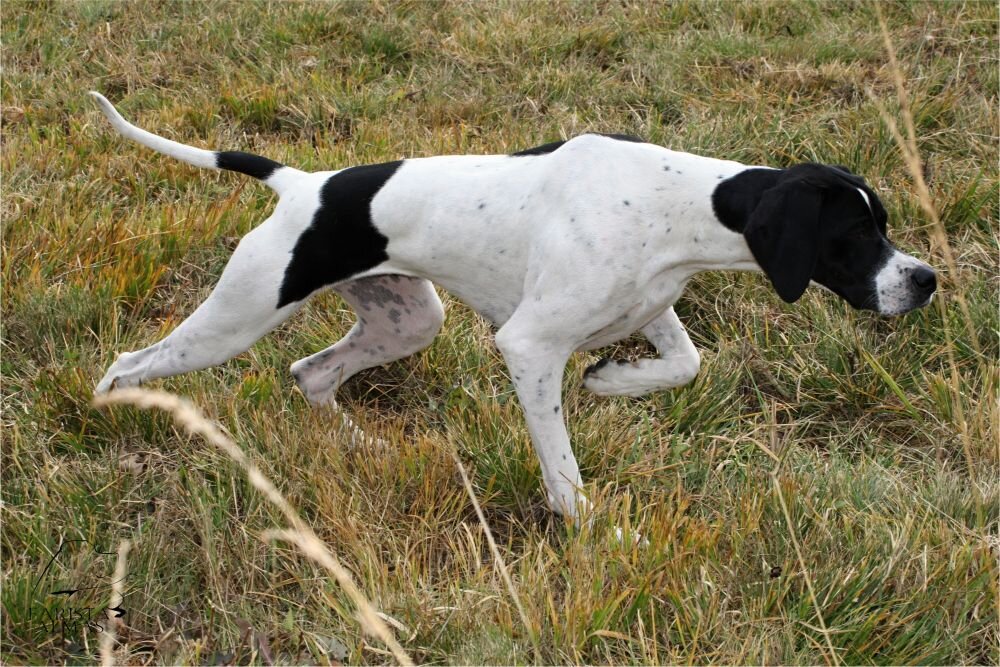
(893, 284)
(864, 195)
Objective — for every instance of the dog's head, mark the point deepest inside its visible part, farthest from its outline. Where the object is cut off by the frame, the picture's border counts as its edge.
(822, 223)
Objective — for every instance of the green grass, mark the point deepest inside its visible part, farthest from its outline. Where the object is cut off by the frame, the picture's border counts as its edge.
(107, 246)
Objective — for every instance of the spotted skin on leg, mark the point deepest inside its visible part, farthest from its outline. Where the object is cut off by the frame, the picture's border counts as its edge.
(397, 316)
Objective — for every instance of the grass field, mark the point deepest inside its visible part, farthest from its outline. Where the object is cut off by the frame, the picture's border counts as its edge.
(826, 491)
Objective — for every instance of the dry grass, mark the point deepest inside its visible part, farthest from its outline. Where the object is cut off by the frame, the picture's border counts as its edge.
(299, 534)
(826, 491)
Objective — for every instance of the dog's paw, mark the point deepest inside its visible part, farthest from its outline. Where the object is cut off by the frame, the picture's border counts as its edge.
(593, 368)
(120, 375)
(600, 378)
(106, 384)
(320, 399)
(317, 385)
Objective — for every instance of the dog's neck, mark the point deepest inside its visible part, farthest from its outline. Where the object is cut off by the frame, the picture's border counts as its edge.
(716, 242)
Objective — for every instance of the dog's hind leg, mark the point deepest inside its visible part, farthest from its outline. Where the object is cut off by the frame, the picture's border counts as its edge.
(397, 316)
(677, 364)
(240, 310)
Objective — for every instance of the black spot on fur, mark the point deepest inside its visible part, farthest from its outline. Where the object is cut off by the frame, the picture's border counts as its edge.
(539, 150)
(247, 163)
(341, 241)
(598, 366)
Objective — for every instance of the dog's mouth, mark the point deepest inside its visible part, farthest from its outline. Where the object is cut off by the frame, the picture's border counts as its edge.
(899, 310)
(885, 301)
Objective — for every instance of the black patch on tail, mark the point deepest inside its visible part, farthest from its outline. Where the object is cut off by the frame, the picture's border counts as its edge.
(247, 163)
(342, 240)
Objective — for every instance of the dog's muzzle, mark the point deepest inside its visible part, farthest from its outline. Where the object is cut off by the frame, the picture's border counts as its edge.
(903, 284)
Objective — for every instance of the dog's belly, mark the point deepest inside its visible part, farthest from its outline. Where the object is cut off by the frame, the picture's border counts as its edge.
(486, 272)
(652, 300)
(622, 327)
(494, 301)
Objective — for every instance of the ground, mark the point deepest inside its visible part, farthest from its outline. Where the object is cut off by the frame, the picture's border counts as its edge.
(826, 491)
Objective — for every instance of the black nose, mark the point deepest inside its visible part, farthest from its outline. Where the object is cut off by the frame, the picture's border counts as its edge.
(924, 280)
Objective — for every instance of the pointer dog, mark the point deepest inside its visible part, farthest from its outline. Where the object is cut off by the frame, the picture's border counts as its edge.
(568, 246)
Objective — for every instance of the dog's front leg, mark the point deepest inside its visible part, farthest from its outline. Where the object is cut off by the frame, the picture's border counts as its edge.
(536, 364)
(677, 365)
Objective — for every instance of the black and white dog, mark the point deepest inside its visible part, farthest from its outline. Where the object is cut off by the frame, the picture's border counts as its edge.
(569, 246)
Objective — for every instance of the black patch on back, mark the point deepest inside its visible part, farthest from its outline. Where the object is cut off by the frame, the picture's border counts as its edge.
(624, 137)
(545, 149)
(247, 163)
(539, 150)
(341, 241)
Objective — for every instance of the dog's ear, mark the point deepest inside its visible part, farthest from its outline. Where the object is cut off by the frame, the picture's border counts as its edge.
(783, 235)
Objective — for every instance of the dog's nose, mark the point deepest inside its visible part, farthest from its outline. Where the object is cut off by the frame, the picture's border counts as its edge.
(923, 279)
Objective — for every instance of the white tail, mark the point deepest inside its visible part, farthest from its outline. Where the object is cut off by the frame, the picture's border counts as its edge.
(274, 174)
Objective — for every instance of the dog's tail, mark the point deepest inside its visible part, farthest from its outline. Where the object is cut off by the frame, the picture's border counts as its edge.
(276, 175)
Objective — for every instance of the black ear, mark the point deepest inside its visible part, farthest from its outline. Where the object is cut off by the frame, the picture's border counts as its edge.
(783, 235)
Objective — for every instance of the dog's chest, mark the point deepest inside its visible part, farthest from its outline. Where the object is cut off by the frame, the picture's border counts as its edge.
(631, 314)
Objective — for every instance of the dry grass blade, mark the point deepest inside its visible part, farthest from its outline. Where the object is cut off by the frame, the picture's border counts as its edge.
(805, 572)
(833, 659)
(189, 417)
(498, 558)
(108, 637)
(911, 156)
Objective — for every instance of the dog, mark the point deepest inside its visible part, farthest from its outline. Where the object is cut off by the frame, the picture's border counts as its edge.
(566, 247)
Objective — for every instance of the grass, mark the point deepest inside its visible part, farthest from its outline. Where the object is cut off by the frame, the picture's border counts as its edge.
(818, 462)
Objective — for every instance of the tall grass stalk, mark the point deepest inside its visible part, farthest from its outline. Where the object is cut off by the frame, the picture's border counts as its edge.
(911, 156)
(191, 419)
